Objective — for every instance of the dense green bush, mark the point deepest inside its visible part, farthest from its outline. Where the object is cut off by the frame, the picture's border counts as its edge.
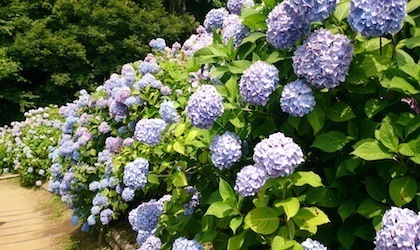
(50, 49)
(261, 141)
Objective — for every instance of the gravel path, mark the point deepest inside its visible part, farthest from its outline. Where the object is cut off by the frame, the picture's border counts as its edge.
(30, 219)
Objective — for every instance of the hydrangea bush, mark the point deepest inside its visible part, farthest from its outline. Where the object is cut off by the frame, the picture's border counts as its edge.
(278, 125)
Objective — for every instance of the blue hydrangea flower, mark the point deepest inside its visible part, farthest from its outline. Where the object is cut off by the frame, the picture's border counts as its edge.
(323, 59)
(258, 82)
(157, 44)
(235, 6)
(100, 200)
(310, 244)
(149, 131)
(113, 144)
(127, 194)
(377, 17)
(95, 210)
(121, 94)
(105, 216)
(104, 156)
(93, 186)
(146, 216)
(133, 100)
(148, 67)
(214, 19)
(278, 155)
(285, 26)
(400, 230)
(128, 142)
(194, 200)
(85, 227)
(183, 243)
(165, 90)
(91, 220)
(225, 150)
(317, 10)
(204, 106)
(152, 243)
(142, 236)
(250, 180)
(103, 184)
(297, 98)
(117, 109)
(148, 80)
(74, 220)
(168, 112)
(135, 173)
(234, 29)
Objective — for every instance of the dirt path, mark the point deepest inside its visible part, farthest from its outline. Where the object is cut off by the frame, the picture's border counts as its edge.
(31, 219)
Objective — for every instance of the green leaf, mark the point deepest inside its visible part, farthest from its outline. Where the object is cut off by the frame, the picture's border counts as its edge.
(346, 236)
(413, 42)
(402, 190)
(236, 242)
(262, 220)
(373, 65)
(274, 57)
(220, 210)
(366, 232)
(405, 149)
(253, 37)
(179, 179)
(376, 188)
(191, 136)
(346, 209)
(278, 243)
(152, 178)
(375, 43)
(316, 118)
(232, 87)
(412, 126)
(235, 223)
(237, 122)
(407, 64)
(238, 67)
(374, 106)
(372, 151)
(225, 190)
(401, 85)
(290, 205)
(340, 112)
(179, 130)
(370, 208)
(301, 178)
(178, 147)
(256, 21)
(310, 217)
(331, 141)
(387, 136)
(342, 10)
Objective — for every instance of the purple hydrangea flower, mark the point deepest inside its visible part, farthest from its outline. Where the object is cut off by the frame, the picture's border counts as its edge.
(133, 100)
(157, 44)
(317, 10)
(117, 110)
(168, 112)
(285, 27)
(310, 244)
(100, 200)
(183, 243)
(250, 180)
(93, 186)
(105, 216)
(297, 98)
(113, 144)
(400, 230)
(142, 236)
(127, 194)
(135, 173)
(152, 243)
(148, 80)
(91, 220)
(377, 17)
(128, 142)
(204, 106)
(194, 200)
(38, 183)
(149, 131)
(214, 19)
(234, 29)
(258, 82)
(235, 6)
(225, 150)
(323, 59)
(145, 217)
(95, 210)
(148, 67)
(121, 94)
(278, 155)
(165, 90)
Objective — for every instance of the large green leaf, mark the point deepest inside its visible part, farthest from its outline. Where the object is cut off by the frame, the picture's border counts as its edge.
(220, 209)
(402, 190)
(346, 209)
(340, 112)
(316, 118)
(387, 136)
(301, 178)
(401, 85)
(290, 206)
(342, 10)
(376, 188)
(225, 190)
(262, 220)
(370, 208)
(308, 218)
(330, 141)
(372, 150)
(374, 106)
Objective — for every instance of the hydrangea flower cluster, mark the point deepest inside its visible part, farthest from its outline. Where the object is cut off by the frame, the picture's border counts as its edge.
(194, 201)
(149, 131)
(152, 243)
(310, 244)
(235, 6)
(214, 19)
(278, 155)
(323, 59)
(234, 29)
(250, 180)
(135, 173)
(168, 112)
(316, 10)
(113, 144)
(297, 98)
(148, 80)
(258, 82)
(183, 243)
(204, 106)
(225, 150)
(148, 66)
(197, 41)
(105, 216)
(104, 127)
(400, 230)
(373, 18)
(157, 44)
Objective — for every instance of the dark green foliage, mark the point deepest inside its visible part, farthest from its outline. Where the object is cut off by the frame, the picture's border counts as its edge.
(52, 48)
